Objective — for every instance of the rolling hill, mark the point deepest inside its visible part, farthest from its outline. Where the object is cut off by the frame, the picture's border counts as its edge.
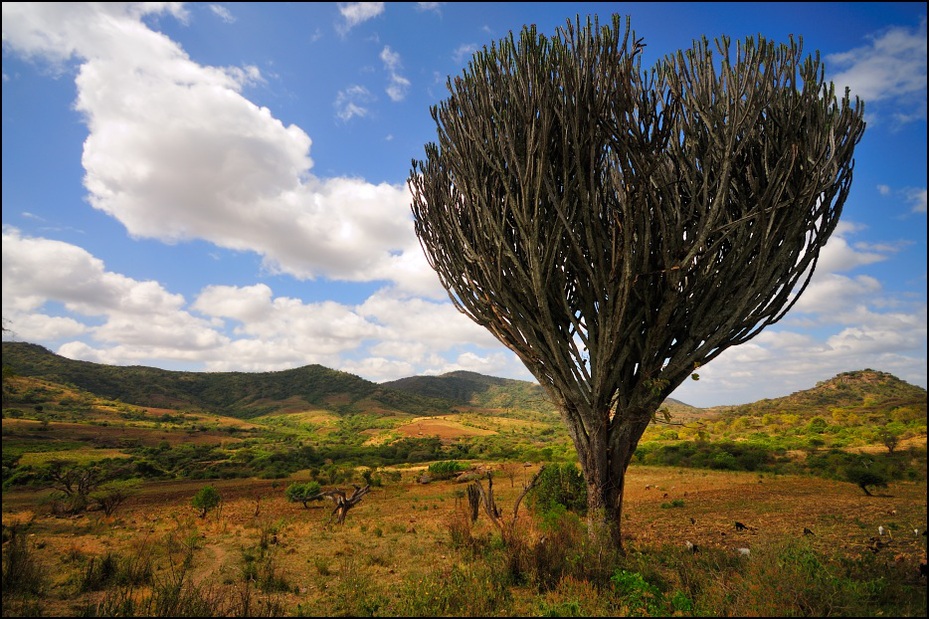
(246, 395)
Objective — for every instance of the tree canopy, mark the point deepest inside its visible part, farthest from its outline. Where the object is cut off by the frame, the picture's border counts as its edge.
(617, 228)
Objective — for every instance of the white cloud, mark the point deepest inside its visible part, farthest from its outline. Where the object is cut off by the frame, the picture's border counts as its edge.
(429, 6)
(436, 325)
(223, 13)
(114, 308)
(34, 327)
(891, 67)
(118, 320)
(917, 198)
(398, 85)
(355, 13)
(352, 102)
(326, 327)
(464, 52)
(837, 255)
(176, 153)
(57, 31)
(778, 362)
(833, 293)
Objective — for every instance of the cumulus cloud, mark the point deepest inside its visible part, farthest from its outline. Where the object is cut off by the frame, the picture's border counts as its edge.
(57, 31)
(118, 320)
(176, 153)
(114, 308)
(833, 293)
(837, 255)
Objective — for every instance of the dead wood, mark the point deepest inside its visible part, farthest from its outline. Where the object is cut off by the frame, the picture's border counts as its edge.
(344, 503)
(477, 496)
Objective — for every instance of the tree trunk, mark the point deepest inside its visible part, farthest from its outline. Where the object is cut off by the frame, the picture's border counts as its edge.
(604, 457)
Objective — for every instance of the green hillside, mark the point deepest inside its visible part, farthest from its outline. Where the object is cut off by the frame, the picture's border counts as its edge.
(272, 424)
(237, 394)
(870, 392)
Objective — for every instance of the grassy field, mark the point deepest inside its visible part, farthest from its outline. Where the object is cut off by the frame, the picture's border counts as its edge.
(410, 549)
(811, 542)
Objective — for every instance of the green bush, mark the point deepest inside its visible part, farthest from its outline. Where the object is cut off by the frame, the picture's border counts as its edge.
(304, 492)
(206, 499)
(639, 597)
(559, 484)
(446, 469)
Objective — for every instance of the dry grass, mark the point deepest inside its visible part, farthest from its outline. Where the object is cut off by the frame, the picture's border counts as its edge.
(398, 538)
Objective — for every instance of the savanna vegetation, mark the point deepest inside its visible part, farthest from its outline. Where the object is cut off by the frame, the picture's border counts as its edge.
(119, 508)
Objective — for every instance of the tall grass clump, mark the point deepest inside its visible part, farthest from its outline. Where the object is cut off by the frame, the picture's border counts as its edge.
(474, 589)
(24, 578)
(788, 578)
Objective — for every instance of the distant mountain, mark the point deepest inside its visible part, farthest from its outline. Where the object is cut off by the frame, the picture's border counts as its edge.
(478, 390)
(238, 394)
(249, 394)
(879, 395)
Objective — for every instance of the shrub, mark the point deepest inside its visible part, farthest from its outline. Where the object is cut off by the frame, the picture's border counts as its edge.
(446, 469)
(304, 492)
(206, 499)
(22, 573)
(559, 484)
(639, 597)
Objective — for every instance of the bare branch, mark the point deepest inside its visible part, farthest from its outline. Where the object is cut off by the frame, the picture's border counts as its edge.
(478, 497)
(344, 503)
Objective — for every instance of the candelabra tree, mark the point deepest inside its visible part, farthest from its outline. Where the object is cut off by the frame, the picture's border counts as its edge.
(618, 227)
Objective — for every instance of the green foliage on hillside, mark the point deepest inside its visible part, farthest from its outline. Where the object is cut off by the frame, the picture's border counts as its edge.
(879, 396)
(328, 423)
(478, 390)
(239, 394)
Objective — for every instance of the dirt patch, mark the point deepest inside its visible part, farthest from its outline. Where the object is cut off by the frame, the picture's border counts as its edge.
(442, 427)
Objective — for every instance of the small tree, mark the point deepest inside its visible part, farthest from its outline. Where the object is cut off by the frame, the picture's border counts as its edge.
(864, 476)
(618, 229)
(304, 492)
(112, 494)
(75, 482)
(206, 499)
(889, 438)
(562, 485)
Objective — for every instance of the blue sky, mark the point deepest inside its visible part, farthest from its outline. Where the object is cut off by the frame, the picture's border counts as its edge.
(222, 187)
